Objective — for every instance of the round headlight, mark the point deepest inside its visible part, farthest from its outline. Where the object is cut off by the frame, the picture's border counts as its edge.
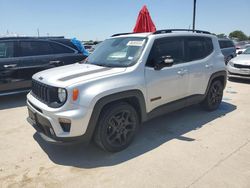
(231, 63)
(62, 95)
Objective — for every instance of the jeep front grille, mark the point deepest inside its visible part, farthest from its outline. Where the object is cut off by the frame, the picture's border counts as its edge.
(44, 93)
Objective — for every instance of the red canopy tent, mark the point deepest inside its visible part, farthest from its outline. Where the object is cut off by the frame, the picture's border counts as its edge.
(144, 22)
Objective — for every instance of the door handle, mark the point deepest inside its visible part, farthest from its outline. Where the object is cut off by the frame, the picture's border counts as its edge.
(54, 62)
(179, 72)
(182, 72)
(208, 66)
(10, 66)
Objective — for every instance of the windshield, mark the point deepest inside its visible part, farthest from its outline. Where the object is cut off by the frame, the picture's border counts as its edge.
(117, 52)
(247, 51)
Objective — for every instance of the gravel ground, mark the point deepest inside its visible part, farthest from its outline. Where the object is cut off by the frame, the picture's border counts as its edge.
(187, 148)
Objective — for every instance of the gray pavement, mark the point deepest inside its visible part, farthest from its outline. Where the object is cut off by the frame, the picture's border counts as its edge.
(187, 148)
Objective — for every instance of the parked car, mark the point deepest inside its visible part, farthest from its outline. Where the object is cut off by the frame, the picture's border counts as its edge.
(21, 57)
(241, 49)
(90, 48)
(127, 80)
(228, 49)
(239, 67)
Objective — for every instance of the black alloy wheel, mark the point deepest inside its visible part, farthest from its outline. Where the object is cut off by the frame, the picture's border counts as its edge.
(117, 127)
(214, 96)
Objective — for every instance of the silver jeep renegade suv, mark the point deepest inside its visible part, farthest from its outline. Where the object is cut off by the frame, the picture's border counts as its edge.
(129, 79)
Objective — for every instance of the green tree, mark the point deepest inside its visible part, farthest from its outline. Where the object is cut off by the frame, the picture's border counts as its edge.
(240, 35)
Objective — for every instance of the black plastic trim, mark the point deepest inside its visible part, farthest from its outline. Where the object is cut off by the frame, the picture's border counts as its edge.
(171, 30)
(175, 105)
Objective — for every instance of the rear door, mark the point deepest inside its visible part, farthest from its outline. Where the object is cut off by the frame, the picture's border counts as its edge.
(200, 61)
(39, 55)
(34, 56)
(64, 55)
(9, 67)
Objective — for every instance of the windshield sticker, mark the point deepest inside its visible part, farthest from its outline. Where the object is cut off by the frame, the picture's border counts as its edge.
(130, 58)
(135, 43)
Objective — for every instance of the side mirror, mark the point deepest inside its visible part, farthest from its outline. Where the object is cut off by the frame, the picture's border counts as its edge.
(239, 52)
(168, 61)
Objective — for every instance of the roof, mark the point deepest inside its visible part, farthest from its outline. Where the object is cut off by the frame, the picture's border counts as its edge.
(224, 39)
(50, 37)
(164, 31)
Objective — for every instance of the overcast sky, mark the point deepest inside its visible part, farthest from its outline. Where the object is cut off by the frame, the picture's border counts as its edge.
(98, 19)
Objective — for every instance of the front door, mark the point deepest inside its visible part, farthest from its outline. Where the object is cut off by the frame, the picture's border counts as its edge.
(170, 83)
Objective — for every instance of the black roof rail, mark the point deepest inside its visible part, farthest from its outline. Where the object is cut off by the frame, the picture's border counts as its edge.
(118, 34)
(171, 30)
(48, 37)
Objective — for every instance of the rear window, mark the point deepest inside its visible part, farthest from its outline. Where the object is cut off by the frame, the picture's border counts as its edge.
(199, 48)
(34, 48)
(6, 49)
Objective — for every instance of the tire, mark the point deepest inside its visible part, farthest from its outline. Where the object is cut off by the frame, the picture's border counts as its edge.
(117, 127)
(214, 96)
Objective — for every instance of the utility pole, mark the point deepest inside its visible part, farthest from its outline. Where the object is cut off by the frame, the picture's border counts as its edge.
(38, 33)
(194, 13)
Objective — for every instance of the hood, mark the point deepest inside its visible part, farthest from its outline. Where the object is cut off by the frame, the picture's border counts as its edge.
(67, 75)
(243, 59)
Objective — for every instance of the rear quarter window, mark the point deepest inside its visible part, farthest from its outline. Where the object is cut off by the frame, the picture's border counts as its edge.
(60, 49)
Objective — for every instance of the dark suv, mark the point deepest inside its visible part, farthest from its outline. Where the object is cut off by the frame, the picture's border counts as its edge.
(228, 49)
(21, 57)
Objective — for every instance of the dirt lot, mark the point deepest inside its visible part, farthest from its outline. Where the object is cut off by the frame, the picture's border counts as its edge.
(188, 148)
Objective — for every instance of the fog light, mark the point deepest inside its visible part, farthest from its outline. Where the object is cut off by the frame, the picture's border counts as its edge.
(51, 131)
(65, 124)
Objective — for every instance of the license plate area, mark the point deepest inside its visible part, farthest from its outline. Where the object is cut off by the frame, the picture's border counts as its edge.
(32, 115)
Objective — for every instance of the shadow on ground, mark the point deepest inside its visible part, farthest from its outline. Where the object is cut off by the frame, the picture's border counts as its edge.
(239, 80)
(12, 101)
(151, 135)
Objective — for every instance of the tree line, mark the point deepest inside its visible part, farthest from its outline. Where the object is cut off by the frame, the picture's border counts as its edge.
(237, 34)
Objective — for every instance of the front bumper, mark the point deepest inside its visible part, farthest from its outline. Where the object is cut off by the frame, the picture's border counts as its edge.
(238, 72)
(46, 121)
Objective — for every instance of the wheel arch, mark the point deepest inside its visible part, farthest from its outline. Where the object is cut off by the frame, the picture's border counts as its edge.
(221, 76)
(133, 97)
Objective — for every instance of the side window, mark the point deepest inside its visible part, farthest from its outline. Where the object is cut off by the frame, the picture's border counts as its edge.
(209, 46)
(230, 44)
(198, 48)
(34, 48)
(6, 49)
(60, 49)
(172, 47)
(222, 44)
